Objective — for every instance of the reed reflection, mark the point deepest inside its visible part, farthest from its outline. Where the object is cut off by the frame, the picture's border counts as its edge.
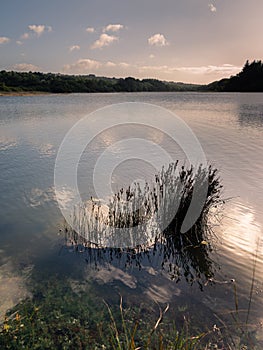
(152, 217)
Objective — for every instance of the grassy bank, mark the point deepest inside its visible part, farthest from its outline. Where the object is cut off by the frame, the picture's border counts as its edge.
(66, 315)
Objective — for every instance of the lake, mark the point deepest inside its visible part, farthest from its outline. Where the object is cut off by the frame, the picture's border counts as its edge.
(229, 127)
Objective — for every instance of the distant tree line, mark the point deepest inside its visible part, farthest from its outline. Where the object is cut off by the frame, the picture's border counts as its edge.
(59, 83)
(250, 79)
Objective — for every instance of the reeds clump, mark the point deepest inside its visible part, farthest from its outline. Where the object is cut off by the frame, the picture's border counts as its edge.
(142, 215)
(138, 222)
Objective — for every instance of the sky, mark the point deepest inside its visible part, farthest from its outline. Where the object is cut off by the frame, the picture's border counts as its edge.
(193, 41)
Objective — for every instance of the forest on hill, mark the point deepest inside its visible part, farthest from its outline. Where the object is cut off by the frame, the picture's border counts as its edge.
(11, 81)
(250, 79)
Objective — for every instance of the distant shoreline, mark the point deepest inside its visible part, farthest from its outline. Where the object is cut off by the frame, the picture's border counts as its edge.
(43, 93)
(40, 93)
(24, 93)
(12, 83)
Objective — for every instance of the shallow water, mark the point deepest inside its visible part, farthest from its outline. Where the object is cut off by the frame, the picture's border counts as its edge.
(229, 128)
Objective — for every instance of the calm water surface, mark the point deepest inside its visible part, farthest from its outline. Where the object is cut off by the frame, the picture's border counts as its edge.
(230, 130)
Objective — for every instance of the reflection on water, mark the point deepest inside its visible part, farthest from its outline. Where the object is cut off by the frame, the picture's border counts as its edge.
(191, 264)
(250, 116)
(13, 286)
(47, 150)
(242, 241)
(6, 143)
(229, 127)
(250, 111)
(144, 225)
(242, 232)
(38, 197)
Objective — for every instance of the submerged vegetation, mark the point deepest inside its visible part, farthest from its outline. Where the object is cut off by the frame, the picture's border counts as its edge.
(62, 314)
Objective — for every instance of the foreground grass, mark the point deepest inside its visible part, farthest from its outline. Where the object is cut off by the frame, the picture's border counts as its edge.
(57, 317)
(62, 315)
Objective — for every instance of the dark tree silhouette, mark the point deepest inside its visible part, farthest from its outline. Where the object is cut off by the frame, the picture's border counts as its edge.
(250, 79)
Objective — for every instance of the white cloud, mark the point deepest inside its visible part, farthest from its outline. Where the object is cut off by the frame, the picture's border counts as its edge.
(25, 67)
(158, 40)
(223, 70)
(124, 65)
(212, 7)
(104, 40)
(210, 69)
(25, 36)
(113, 28)
(151, 56)
(90, 30)
(110, 64)
(74, 47)
(82, 66)
(4, 40)
(164, 69)
(18, 42)
(85, 65)
(39, 29)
